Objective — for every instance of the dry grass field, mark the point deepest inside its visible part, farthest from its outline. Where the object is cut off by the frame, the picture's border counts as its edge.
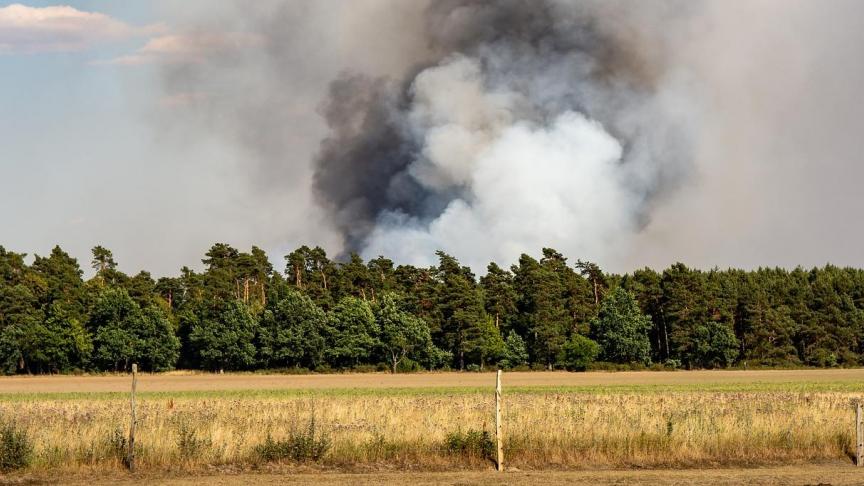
(189, 381)
(195, 423)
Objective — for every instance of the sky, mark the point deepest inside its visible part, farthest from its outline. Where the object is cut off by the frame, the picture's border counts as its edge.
(152, 128)
(82, 162)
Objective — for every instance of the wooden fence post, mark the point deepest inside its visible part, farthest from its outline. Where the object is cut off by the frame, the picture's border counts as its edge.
(859, 435)
(130, 457)
(499, 439)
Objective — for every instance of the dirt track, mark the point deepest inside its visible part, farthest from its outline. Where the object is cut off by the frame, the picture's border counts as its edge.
(835, 474)
(198, 382)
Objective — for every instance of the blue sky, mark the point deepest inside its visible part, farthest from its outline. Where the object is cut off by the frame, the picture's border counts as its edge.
(83, 159)
(68, 127)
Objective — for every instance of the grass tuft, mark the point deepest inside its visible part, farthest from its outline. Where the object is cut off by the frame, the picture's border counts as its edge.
(16, 448)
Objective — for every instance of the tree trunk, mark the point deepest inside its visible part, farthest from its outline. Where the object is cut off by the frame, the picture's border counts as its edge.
(665, 332)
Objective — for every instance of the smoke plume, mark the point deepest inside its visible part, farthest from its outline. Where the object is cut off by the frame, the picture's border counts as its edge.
(613, 131)
(535, 124)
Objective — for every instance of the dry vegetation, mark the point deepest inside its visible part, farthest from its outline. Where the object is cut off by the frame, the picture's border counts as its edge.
(394, 428)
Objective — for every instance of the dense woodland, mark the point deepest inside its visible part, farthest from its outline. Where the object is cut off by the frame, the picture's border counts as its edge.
(240, 313)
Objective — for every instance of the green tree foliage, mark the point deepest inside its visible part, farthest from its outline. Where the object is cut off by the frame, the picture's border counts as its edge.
(225, 341)
(486, 343)
(238, 313)
(515, 351)
(125, 334)
(353, 333)
(293, 332)
(402, 334)
(500, 295)
(59, 343)
(714, 346)
(621, 329)
(459, 305)
(105, 266)
(579, 352)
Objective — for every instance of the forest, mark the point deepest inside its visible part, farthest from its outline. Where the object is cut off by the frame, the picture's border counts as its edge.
(317, 314)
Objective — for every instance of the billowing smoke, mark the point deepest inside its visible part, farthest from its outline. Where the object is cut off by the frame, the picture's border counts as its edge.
(627, 133)
(536, 124)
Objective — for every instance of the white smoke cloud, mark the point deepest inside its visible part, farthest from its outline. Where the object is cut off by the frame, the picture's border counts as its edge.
(507, 133)
(583, 208)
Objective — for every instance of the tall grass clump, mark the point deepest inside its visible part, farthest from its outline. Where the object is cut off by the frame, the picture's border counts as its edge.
(308, 444)
(189, 442)
(16, 447)
(472, 443)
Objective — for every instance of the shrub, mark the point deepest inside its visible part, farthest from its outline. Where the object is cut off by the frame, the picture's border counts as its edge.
(368, 368)
(473, 443)
(579, 352)
(307, 445)
(672, 363)
(118, 446)
(16, 449)
(189, 443)
(378, 447)
(408, 365)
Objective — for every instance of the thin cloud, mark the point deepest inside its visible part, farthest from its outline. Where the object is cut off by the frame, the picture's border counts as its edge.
(188, 48)
(28, 30)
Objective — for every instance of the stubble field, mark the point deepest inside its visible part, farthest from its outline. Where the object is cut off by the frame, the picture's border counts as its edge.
(441, 423)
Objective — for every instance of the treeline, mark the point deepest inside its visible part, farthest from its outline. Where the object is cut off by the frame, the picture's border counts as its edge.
(318, 314)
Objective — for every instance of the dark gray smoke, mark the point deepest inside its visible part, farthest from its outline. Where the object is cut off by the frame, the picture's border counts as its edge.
(394, 162)
(628, 133)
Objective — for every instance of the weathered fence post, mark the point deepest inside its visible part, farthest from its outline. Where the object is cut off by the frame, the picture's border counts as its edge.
(499, 439)
(130, 455)
(859, 435)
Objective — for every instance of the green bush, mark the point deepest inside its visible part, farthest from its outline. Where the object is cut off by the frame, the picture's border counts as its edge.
(473, 443)
(310, 444)
(16, 449)
(368, 368)
(579, 352)
(189, 443)
(408, 365)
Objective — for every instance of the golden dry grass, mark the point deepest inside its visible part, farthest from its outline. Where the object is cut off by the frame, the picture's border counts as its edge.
(543, 430)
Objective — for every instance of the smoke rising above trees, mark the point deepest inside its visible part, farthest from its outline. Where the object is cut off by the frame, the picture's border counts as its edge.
(534, 122)
(620, 132)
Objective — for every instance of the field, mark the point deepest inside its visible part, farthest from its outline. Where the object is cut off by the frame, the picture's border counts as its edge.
(584, 423)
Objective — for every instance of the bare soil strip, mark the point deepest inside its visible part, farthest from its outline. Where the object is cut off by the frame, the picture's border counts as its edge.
(833, 474)
(202, 382)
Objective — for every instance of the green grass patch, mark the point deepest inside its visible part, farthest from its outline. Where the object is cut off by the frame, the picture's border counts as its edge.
(753, 387)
